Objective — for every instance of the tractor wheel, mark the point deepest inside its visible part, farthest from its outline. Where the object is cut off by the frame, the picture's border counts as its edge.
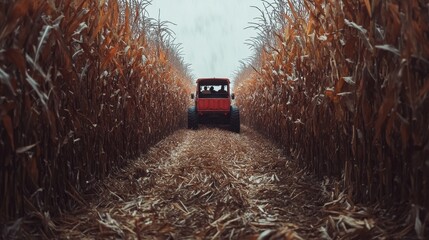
(192, 118)
(235, 119)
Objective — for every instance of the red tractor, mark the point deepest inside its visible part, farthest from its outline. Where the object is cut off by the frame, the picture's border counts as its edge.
(213, 104)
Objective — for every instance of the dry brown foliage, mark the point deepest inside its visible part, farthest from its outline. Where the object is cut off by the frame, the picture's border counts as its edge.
(83, 88)
(344, 85)
(238, 186)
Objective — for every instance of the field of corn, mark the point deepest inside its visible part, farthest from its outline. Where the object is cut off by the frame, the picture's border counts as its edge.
(85, 85)
(343, 86)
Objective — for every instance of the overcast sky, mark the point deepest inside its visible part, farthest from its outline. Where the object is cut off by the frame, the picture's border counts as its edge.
(212, 32)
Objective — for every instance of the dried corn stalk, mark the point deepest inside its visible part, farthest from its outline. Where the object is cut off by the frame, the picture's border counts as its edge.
(345, 89)
(83, 87)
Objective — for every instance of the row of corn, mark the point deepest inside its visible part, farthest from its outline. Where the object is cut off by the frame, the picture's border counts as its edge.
(85, 85)
(343, 86)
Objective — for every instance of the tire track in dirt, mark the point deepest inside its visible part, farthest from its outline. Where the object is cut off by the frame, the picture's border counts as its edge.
(204, 184)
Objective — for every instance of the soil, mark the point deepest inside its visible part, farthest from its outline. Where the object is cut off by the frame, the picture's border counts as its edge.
(215, 184)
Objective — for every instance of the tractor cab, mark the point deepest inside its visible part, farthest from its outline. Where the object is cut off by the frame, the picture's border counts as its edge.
(213, 100)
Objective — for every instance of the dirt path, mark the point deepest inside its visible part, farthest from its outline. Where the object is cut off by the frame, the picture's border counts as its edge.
(210, 184)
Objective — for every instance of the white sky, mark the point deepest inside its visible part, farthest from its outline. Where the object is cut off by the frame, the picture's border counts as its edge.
(211, 32)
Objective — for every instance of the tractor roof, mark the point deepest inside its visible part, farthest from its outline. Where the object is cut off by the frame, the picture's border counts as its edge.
(213, 81)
